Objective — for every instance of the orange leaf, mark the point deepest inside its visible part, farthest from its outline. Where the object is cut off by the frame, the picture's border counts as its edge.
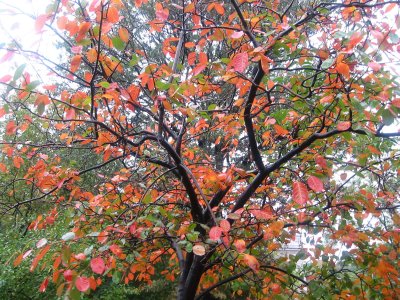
(36, 260)
(343, 69)
(252, 262)
(123, 34)
(219, 8)
(18, 260)
(91, 55)
(300, 193)
(315, 184)
(240, 245)
(112, 14)
(75, 63)
(320, 160)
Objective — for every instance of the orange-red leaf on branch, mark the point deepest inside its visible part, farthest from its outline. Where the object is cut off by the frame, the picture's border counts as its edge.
(36, 260)
(215, 233)
(82, 284)
(240, 245)
(44, 285)
(123, 34)
(343, 69)
(97, 265)
(225, 225)
(315, 184)
(321, 161)
(161, 13)
(300, 193)
(240, 62)
(112, 14)
(75, 63)
(342, 126)
(116, 249)
(252, 262)
(11, 128)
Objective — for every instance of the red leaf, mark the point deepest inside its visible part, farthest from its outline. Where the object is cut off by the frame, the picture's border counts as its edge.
(82, 284)
(5, 78)
(300, 193)
(240, 62)
(11, 128)
(67, 275)
(97, 265)
(320, 160)
(43, 286)
(342, 126)
(198, 69)
(225, 225)
(396, 102)
(215, 233)
(315, 184)
(252, 262)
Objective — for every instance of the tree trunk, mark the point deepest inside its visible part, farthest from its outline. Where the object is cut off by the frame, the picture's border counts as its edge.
(190, 277)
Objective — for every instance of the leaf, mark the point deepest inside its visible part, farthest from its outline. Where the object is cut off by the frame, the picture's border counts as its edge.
(82, 283)
(43, 285)
(252, 262)
(199, 250)
(237, 34)
(343, 126)
(41, 243)
(18, 72)
(123, 34)
(68, 236)
(5, 78)
(315, 184)
(240, 62)
(68, 275)
(116, 249)
(225, 225)
(300, 193)
(112, 14)
(97, 265)
(327, 63)
(215, 233)
(374, 66)
(320, 160)
(11, 128)
(343, 69)
(38, 257)
(240, 245)
(118, 43)
(40, 21)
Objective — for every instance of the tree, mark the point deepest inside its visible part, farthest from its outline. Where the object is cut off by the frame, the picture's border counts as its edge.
(225, 129)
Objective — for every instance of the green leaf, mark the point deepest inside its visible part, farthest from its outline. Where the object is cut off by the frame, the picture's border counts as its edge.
(104, 84)
(118, 43)
(387, 117)
(134, 60)
(34, 84)
(327, 63)
(19, 71)
(162, 85)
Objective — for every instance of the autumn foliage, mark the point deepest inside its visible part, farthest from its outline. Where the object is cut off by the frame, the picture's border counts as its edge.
(195, 140)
